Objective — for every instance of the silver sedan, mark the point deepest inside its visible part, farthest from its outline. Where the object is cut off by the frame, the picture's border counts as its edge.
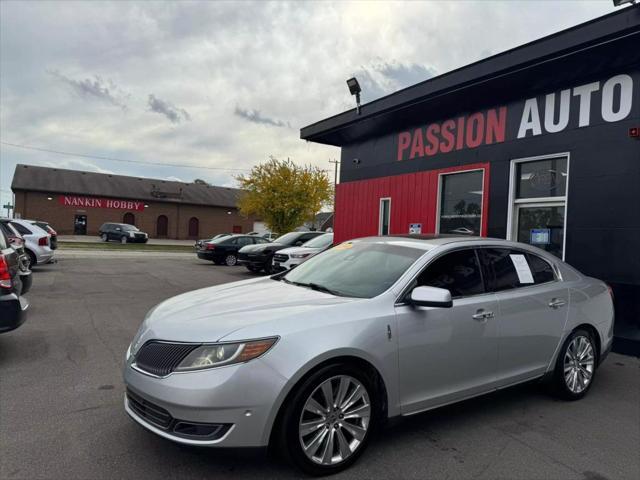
(311, 360)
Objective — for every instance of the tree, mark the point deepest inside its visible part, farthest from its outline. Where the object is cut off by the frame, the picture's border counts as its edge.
(199, 181)
(284, 195)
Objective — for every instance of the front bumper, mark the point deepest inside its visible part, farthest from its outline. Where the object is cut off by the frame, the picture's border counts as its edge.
(242, 397)
(13, 312)
(256, 260)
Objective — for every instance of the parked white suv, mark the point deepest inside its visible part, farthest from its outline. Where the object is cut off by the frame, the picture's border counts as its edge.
(37, 242)
(293, 256)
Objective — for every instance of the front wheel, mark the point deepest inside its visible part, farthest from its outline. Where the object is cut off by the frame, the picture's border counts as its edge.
(123, 239)
(104, 237)
(327, 424)
(230, 260)
(576, 366)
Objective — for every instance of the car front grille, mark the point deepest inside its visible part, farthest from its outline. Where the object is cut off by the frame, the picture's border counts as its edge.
(152, 413)
(280, 257)
(160, 358)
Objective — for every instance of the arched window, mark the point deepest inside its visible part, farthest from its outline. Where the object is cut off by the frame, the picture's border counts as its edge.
(162, 226)
(129, 218)
(194, 227)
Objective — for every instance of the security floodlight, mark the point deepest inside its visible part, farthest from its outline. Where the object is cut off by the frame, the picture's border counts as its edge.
(354, 89)
(617, 3)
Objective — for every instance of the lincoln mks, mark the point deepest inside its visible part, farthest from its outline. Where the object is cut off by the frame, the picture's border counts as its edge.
(312, 360)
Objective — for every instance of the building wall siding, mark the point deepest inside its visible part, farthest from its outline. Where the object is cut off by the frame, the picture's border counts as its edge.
(413, 200)
(212, 220)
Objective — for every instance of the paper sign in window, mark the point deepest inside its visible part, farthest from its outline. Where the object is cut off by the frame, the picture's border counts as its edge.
(522, 268)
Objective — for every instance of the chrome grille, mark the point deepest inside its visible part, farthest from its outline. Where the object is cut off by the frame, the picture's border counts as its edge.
(160, 359)
(280, 257)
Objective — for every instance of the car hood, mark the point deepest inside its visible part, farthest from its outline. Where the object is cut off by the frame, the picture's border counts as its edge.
(294, 250)
(209, 314)
(262, 247)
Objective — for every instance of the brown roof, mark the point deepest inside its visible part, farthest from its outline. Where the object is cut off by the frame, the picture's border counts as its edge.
(58, 180)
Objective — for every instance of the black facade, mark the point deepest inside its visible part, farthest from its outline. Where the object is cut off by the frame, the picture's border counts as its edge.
(574, 95)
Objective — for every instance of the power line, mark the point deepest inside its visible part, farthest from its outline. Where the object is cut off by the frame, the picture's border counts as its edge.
(112, 159)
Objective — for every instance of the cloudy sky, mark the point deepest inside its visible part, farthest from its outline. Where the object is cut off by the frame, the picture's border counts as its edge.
(207, 89)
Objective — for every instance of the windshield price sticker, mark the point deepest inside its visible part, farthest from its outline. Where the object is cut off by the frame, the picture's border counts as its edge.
(343, 246)
(522, 268)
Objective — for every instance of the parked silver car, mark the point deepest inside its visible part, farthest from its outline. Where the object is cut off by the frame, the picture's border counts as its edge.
(313, 358)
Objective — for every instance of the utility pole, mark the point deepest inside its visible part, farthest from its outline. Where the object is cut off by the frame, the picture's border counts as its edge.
(335, 182)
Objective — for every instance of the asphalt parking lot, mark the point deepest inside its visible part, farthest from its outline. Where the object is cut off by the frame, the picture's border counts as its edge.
(61, 412)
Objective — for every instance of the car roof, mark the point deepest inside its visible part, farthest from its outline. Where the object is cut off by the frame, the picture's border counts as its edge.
(427, 242)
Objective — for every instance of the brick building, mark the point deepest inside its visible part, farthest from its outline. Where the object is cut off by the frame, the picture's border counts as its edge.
(77, 202)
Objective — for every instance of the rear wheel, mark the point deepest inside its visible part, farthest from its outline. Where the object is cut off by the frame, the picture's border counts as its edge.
(576, 366)
(32, 258)
(327, 424)
(231, 260)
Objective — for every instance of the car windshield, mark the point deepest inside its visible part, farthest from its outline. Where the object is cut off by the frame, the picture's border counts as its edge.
(355, 269)
(287, 238)
(321, 241)
(129, 228)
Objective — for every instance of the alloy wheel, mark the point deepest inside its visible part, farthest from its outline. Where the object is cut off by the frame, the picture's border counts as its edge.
(334, 420)
(123, 240)
(231, 260)
(579, 363)
(104, 237)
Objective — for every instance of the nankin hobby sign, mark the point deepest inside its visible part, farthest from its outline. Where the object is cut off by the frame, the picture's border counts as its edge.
(613, 102)
(94, 202)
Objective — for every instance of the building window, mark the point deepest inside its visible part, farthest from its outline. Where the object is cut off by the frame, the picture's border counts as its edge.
(194, 227)
(162, 226)
(538, 202)
(460, 202)
(385, 216)
(129, 218)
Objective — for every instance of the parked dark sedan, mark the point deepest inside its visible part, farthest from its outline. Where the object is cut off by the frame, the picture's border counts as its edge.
(224, 250)
(17, 243)
(259, 257)
(13, 306)
(122, 232)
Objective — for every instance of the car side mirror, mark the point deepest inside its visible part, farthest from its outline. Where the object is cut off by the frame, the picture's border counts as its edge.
(431, 297)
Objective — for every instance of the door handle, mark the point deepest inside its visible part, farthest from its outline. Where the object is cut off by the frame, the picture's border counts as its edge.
(557, 303)
(482, 315)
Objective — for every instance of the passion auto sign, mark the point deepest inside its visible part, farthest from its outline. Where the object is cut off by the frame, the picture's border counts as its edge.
(615, 97)
(94, 202)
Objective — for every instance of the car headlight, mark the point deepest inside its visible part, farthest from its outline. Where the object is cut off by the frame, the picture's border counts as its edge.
(131, 234)
(217, 355)
(300, 255)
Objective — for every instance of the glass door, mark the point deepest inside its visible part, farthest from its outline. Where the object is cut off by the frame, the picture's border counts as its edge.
(542, 225)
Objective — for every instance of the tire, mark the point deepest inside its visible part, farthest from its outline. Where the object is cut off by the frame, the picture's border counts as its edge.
(104, 237)
(32, 259)
(268, 268)
(345, 438)
(575, 367)
(253, 268)
(123, 239)
(231, 260)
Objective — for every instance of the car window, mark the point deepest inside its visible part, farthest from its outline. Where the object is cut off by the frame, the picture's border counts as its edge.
(242, 241)
(458, 272)
(308, 236)
(320, 241)
(356, 269)
(500, 267)
(4, 241)
(541, 270)
(22, 230)
(288, 238)
(260, 240)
